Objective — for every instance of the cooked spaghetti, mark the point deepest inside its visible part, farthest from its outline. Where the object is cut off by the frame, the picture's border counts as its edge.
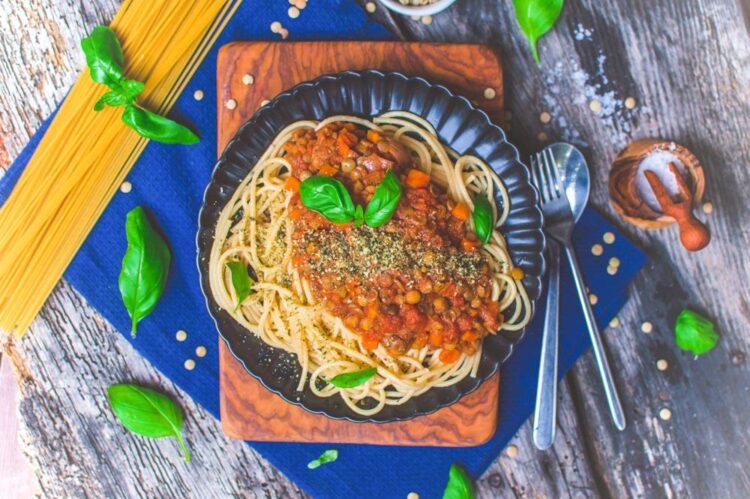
(413, 298)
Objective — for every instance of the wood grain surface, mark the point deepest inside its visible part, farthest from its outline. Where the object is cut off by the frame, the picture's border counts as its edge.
(245, 403)
(686, 63)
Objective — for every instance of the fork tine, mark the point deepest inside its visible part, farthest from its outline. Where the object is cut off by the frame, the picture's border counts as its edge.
(553, 177)
(541, 184)
(534, 176)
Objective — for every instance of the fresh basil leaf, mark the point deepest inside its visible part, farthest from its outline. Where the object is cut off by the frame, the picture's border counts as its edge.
(536, 17)
(129, 89)
(144, 267)
(359, 216)
(460, 485)
(104, 56)
(328, 456)
(329, 197)
(111, 98)
(240, 281)
(352, 379)
(384, 202)
(155, 127)
(148, 413)
(483, 219)
(694, 333)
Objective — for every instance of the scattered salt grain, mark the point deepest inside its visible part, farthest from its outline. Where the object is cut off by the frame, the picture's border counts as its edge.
(126, 187)
(198, 95)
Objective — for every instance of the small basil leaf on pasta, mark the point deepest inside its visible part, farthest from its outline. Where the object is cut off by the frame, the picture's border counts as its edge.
(352, 379)
(460, 485)
(327, 457)
(384, 202)
(147, 413)
(483, 219)
(111, 98)
(155, 127)
(103, 56)
(536, 17)
(694, 333)
(144, 267)
(327, 196)
(240, 281)
(359, 216)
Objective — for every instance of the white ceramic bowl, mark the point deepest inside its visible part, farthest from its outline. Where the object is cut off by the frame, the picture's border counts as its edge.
(417, 10)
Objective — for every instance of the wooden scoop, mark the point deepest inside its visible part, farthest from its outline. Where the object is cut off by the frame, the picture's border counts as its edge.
(693, 233)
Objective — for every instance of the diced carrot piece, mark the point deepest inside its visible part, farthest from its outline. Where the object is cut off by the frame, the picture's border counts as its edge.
(460, 211)
(292, 184)
(449, 356)
(343, 149)
(373, 136)
(295, 214)
(436, 338)
(417, 179)
(348, 138)
(469, 336)
(469, 245)
(328, 170)
(369, 342)
(517, 273)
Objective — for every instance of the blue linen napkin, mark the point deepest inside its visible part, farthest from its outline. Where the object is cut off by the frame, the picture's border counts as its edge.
(169, 180)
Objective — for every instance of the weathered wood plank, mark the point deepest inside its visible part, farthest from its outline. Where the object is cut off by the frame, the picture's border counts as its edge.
(687, 64)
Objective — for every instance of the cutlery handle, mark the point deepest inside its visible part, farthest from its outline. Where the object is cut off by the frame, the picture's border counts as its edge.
(613, 399)
(546, 390)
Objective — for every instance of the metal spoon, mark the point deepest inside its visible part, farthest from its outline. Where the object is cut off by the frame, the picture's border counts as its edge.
(575, 180)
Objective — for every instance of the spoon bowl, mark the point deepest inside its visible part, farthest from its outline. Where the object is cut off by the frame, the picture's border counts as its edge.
(574, 175)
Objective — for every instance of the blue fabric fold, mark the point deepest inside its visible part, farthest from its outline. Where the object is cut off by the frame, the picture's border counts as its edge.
(169, 181)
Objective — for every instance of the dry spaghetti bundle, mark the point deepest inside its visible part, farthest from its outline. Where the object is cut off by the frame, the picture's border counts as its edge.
(85, 155)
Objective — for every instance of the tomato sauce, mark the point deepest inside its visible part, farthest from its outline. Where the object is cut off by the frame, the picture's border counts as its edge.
(420, 278)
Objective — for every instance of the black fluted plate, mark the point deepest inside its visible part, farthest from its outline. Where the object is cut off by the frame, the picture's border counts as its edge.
(370, 93)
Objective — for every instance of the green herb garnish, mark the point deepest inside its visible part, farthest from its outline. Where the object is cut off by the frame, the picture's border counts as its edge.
(105, 60)
(148, 413)
(329, 197)
(328, 456)
(536, 17)
(483, 219)
(240, 281)
(352, 379)
(144, 267)
(695, 333)
(460, 485)
(384, 202)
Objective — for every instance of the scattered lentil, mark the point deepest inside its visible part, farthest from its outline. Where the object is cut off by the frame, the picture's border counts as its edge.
(181, 335)
(511, 450)
(665, 414)
(545, 117)
(189, 364)
(647, 327)
(293, 12)
(614, 262)
(608, 237)
(708, 207)
(593, 299)
(595, 106)
(284, 33)
(370, 7)
(198, 95)
(231, 104)
(126, 187)
(614, 322)
(597, 250)
(517, 273)
(611, 270)
(201, 351)
(264, 102)
(542, 137)
(275, 27)
(489, 93)
(427, 20)
(630, 102)
(412, 495)
(248, 79)
(662, 365)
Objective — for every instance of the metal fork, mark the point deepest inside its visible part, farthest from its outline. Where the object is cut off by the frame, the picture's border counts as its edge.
(559, 222)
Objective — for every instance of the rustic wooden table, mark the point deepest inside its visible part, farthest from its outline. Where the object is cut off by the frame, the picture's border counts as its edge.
(686, 64)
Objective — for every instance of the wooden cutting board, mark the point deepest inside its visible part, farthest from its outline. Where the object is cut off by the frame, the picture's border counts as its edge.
(248, 410)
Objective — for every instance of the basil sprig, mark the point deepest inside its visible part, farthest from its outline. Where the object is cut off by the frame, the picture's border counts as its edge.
(352, 379)
(384, 202)
(144, 267)
(459, 484)
(536, 17)
(105, 60)
(329, 197)
(694, 333)
(240, 281)
(327, 457)
(483, 220)
(148, 413)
